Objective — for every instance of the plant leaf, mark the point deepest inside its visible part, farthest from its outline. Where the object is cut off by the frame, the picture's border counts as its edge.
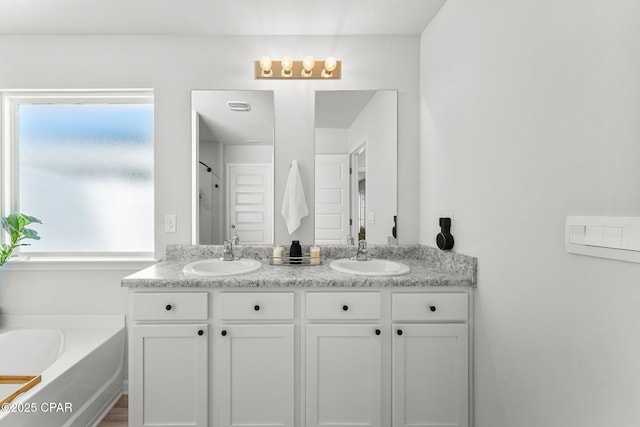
(12, 223)
(30, 234)
(31, 219)
(21, 221)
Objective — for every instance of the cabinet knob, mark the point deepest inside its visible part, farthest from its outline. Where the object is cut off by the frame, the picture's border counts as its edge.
(256, 307)
(345, 307)
(432, 307)
(378, 332)
(168, 307)
(399, 332)
(224, 333)
(201, 332)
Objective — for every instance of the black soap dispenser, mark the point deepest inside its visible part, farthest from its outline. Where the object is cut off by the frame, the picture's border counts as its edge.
(444, 239)
(295, 252)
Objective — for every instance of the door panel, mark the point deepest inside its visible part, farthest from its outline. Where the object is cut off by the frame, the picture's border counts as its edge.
(332, 198)
(255, 368)
(343, 375)
(249, 197)
(430, 375)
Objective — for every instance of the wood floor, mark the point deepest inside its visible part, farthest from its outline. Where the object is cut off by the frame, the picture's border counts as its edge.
(119, 415)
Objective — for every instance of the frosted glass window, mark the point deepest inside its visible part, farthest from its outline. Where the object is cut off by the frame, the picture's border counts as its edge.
(86, 170)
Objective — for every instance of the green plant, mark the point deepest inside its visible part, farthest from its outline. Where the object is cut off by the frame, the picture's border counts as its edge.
(14, 225)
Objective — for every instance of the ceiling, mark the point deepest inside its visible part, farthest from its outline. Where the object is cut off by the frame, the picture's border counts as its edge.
(219, 123)
(338, 109)
(334, 109)
(217, 17)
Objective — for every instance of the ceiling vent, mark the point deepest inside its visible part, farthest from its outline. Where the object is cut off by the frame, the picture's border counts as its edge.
(238, 106)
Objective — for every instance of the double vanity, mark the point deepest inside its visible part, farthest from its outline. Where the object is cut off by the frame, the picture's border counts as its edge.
(252, 343)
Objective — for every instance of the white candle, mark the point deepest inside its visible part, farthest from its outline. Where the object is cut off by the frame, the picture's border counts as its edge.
(314, 252)
(278, 251)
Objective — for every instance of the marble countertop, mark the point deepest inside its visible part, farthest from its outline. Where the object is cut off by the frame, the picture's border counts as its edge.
(169, 274)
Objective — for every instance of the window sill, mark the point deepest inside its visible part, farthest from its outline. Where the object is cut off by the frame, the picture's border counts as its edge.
(26, 263)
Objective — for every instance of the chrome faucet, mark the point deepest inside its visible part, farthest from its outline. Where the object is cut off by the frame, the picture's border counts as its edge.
(361, 255)
(227, 254)
(350, 240)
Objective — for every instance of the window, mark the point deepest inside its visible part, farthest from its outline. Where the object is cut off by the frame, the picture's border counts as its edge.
(83, 164)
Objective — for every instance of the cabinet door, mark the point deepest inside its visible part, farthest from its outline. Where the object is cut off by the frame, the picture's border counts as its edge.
(254, 368)
(430, 375)
(169, 375)
(343, 375)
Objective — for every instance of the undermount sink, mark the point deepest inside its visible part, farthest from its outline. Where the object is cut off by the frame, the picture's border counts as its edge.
(218, 268)
(372, 267)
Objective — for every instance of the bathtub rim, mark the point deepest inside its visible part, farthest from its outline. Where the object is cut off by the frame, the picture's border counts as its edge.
(83, 335)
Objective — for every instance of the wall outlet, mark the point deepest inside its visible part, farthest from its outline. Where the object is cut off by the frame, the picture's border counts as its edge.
(170, 223)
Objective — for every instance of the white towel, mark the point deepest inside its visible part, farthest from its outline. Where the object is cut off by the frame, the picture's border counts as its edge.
(294, 205)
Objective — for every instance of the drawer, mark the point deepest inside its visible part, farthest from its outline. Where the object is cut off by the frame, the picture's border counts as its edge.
(170, 306)
(343, 305)
(256, 306)
(430, 307)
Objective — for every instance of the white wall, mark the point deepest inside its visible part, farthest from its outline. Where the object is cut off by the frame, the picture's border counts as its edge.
(248, 154)
(331, 141)
(175, 65)
(530, 112)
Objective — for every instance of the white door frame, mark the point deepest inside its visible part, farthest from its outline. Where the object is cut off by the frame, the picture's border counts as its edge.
(353, 190)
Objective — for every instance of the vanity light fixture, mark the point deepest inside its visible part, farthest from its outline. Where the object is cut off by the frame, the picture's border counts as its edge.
(308, 68)
(265, 66)
(330, 65)
(287, 66)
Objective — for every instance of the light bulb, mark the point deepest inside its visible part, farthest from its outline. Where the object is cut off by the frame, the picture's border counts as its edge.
(287, 66)
(308, 63)
(265, 64)
(330, 64)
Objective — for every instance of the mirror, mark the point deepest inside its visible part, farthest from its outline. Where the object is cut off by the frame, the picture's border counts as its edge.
(233, 137)
(356, 166)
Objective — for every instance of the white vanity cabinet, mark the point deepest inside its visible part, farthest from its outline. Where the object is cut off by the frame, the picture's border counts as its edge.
(254, 353)
(300, 357)
(343, 366)
(169, 360)
(430, 372)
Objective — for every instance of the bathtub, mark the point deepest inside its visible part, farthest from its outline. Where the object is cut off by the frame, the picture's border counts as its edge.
(80, 360)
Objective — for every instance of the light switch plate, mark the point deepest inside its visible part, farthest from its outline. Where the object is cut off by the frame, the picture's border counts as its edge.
(170, 223)
(604, 237)
(612, 237)
(371, 217)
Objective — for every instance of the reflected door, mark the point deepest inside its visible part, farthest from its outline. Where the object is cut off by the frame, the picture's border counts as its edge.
(249, 202)
(332, 198)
